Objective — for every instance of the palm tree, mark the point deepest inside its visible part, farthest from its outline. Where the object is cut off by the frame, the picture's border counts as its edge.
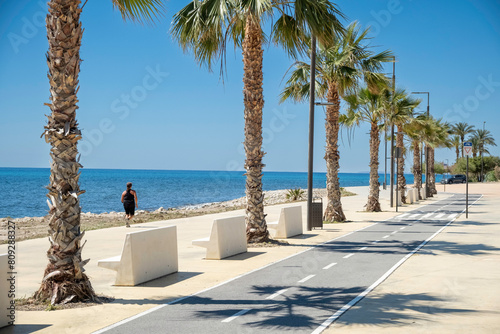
(435, 135)
(455, 142)
(415, 130)
(339, 68)
(205, 27)
(400, 108)
(64, 278)
(462, 130)
(366, 106)
(483, 138)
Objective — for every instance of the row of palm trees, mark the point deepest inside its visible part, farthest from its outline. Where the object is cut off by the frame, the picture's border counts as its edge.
(347, 68)
(480, 139)
(205, 28)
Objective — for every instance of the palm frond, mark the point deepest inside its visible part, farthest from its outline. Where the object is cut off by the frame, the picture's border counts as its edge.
(140, 10)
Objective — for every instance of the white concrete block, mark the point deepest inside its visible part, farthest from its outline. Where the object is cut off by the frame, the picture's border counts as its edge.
(227, 238)
(146, 255)
(289, 223)
(411, 196)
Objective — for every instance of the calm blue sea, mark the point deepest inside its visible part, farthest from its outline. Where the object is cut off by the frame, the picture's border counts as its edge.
(24, 195)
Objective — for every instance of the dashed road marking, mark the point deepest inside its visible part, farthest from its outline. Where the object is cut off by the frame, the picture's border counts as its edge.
(348, 256)
(362, 248)
(329, 266)
(386, 236)
(236, 315)
(276, 294)
(306, 278)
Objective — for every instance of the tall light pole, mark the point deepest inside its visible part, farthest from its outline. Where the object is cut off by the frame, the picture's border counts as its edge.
(482, 149)
(392, 130)
(312, 96)
(426, 149)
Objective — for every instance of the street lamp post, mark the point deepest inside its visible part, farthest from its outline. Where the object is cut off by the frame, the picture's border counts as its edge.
(392, 130)
(426, 149)
(444, 177)
(311, 133)
(482, 149)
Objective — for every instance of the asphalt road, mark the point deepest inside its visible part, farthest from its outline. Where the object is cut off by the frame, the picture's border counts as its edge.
(305, 292)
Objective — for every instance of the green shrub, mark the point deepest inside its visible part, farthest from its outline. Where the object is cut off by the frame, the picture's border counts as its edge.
(490, 177)
(295, 194)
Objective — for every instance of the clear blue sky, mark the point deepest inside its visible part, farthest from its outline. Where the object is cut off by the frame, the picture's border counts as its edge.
(145, 104)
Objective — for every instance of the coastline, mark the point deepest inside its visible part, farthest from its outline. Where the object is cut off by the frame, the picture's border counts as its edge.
(36, 227)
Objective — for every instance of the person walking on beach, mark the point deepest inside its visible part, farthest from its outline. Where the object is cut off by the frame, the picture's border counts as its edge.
(129, 200)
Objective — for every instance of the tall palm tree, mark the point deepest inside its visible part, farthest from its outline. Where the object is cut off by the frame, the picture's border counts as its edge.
(483, 138)
(64, 278)
(462, 129)
(400, 106)
(205, 27)
(415, 130)
(436, 135)
(369, 107)
(339, 68)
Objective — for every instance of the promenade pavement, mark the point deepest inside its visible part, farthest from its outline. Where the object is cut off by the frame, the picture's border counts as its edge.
(450, 284)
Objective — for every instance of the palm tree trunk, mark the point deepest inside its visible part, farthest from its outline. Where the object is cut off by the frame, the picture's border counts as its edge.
(64, 279)
(373, 204)
(417, 171)
(462, 138)
(333, 210)
(401, 165)
(432, 174)
(254, 103)
(457, 151)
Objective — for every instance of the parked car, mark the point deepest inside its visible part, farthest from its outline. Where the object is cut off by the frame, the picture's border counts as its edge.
(457, 178)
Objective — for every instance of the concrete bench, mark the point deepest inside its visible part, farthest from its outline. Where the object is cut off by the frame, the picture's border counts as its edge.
(411, 196)
(227, 238)
(289, 223)
(146, 255)
(7, 313)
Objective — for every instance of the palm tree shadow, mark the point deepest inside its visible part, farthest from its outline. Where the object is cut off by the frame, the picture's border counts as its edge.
(399, 309)
(305, 308)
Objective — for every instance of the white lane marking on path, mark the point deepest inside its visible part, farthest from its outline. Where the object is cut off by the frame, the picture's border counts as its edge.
(348, 256)
(329, 266)
(276, 294)
(439, 215)
(306, 278)
(453, 215)
(374, 242)
(362, 248)
(427, 215)
(415, 215)
(353, 302)
(394, 232)
(402, 228)
(236, 315)
(386, 236)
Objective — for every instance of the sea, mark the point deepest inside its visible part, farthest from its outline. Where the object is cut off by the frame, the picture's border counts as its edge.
(23, 192)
